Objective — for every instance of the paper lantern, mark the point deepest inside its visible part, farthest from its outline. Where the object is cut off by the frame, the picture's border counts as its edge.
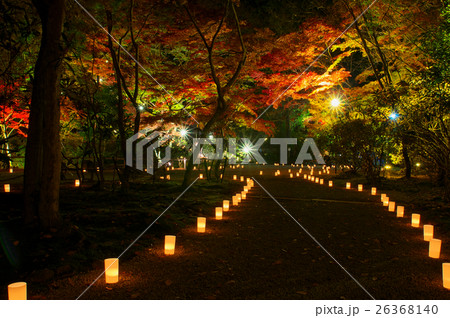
(446, 275)
(17, 291)
(391, 206)
(400, 211)
(386, 201)
(305, 176)
(289, 171)
(11, 170)
(7, 188)
(297, 174)
(383, 197)
(291, 175)
(201, 224)
(317, 180)
(111, 270)
(330, 184)
(238, 196)
(348, 185)
(226, 205)
(321, 181)
(234, 200)
(234, 177)
(415, 220)
(435, 248)
(200, 176)
(428, 231)
(242, 178)
(309, 177)
(169, 244)
(360, 187)
(320, 172)
(86, 170)
(219, 213)
(77, 183)
(373, 191)
(243, 195)
(260, 173)
(246, 188)
(168, 177)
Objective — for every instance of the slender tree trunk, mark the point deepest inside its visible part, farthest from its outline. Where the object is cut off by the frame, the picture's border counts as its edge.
(43, 152)
(406, 159)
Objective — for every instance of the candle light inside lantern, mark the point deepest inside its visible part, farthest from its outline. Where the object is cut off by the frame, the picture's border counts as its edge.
(317, 180)
(374, 191)
(383, 197)
(246, 188)
(111, 270)
(360, 187)
(201, 224)
(17, 291)
(415, 220)
(234, 177)
(11, 170)
(243, 195)
(238, 196)
(386, 201)
(446, 275)
(260, 172)
(392, 206)
(305, 176)
(168, 177)
(330, 184)
(169, 244)
(400, 211)
(242, 178)
(226, 205)
(321, 181)
(428, 232)
(348, 185)
(219, 213)
(297, 174)
(435, 248)
(200, 176)
(77, 183)
(291, 175)
(7, 188)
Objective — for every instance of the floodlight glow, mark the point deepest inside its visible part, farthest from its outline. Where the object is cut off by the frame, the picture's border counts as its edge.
(335, 102)
(183, 132)
(393, 116)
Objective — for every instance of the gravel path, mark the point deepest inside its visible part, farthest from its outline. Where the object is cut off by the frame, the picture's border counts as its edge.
(258, 252)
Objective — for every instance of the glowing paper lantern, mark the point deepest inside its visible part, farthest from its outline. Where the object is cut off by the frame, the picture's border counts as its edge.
(348, 185)
(320, 172)
(17, 291)
(386, 201)
(415, 220)
(77, 183)
(428, 231)
(373, 191)
(260, 173)
(226, 205)
(242, 178)
(383, 197)
(321, 181)
(297, 174)
(200, 176)
(291, 175)
(317, 180)
(111, 270)
(7, 188)
(400, 211)
(330, 184)
(309, 177)
(435, 248)
(243, 195)
(238, 196)
(446, 275)
(234, 177)
(219, 213)
(246, 188)
(289, 171)
(360, 187)
(392, 206)
(169, 244)
(168, 177)
(305, 176)
(201, 225)
(234, 200)
(11, 170)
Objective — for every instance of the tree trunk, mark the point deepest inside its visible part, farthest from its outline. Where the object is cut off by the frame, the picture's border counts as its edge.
(406, 159)
(43, 151)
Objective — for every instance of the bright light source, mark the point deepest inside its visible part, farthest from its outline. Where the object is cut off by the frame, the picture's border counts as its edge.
(418, 164)
(393, 116)
(141, 108)
(246, 149)
(183, 132)
(211, 137)
(335, 102)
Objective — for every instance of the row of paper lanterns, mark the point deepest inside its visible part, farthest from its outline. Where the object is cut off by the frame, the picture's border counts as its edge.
(434, 249)
(18, 291)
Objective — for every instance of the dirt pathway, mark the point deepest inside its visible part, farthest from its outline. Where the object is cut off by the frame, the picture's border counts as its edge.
(259, 252)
